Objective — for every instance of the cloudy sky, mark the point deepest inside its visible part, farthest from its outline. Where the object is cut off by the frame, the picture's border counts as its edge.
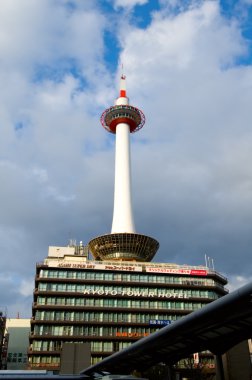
(189, 68)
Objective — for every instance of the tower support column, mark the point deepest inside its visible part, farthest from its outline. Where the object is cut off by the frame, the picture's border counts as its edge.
(123, 220)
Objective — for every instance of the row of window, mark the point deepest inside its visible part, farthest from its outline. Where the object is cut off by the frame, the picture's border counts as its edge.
(126, 290)
(125, 277)
(43, 361)
(120, 303)
(16, 360)
(40, 345)
(14, 357)
(40, 361)
(135, 332)
(121, 114)
(85, 316)
(96, 359)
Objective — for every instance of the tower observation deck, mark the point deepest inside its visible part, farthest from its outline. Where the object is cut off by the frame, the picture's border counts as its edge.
(123, 243)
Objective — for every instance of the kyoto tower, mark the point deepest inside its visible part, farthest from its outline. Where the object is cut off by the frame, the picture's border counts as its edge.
(123, 243)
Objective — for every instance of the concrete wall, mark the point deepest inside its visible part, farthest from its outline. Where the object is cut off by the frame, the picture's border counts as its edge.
(18, 330)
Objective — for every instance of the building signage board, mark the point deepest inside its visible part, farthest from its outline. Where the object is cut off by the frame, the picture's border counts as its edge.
(131, 335)
(190, 272)
(134, 293)
(81, 265)
(123, 267)
(160, 322)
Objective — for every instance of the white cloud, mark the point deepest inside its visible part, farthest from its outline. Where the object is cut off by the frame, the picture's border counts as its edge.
(129, 3)
(237, 281)
(26, 287)
(40, 174)
(198, 39)
(51, 62)
(36, 33)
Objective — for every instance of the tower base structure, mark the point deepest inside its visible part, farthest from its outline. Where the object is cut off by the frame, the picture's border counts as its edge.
(124, 247)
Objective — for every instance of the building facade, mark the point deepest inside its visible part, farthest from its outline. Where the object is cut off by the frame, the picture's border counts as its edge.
(110, 304)
(18, 330)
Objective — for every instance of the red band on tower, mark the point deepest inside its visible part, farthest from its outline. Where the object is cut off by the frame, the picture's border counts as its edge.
(122, 93)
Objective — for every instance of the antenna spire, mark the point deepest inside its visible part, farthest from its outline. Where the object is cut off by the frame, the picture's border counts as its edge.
(122, 75)
(123, 85)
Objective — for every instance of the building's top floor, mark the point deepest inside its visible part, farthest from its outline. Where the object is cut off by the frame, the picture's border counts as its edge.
(74, 258)
(17, 323)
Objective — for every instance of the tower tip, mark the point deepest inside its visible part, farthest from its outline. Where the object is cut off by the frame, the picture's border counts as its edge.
(122, 74)
(123, 86)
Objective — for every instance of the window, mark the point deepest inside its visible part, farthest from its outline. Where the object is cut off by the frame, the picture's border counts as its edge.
(107, 346)
(135, 277)
(108, 276)
(99, 276)
(96, 346)
(110, 302)
(42, 287)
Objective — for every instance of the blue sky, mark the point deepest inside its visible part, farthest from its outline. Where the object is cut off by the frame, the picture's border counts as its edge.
(188, 67)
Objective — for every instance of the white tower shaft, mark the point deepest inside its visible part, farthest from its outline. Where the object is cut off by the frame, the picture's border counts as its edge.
(123, 220)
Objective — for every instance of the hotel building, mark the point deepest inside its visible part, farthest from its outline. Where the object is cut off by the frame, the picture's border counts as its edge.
(109, 304)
